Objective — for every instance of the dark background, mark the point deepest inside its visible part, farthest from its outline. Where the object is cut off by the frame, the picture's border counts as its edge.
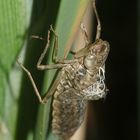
(116, 118)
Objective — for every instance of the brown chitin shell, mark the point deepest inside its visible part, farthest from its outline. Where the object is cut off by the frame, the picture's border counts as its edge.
(69, 104)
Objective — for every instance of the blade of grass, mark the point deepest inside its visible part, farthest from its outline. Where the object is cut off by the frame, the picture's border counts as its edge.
(68, 21)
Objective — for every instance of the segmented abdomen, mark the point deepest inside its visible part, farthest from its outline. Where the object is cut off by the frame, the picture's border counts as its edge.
(68, 110)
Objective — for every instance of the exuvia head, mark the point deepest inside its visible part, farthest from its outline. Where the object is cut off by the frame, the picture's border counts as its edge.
(96, 54)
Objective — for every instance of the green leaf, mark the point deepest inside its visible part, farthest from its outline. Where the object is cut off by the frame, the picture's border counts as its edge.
(12, 31)
(13, 24)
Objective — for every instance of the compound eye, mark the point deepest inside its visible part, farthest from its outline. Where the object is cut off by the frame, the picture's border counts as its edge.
(90, 61)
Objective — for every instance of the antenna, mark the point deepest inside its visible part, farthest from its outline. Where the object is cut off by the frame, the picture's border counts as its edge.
(98, 32)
